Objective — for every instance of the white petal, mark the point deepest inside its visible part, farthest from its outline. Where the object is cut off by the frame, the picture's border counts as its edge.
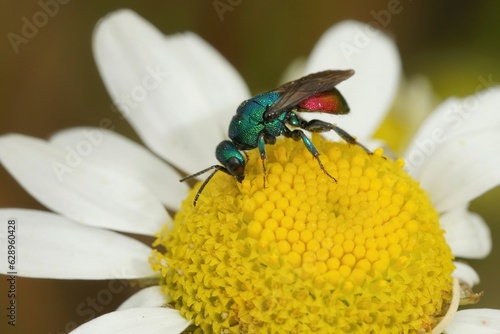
(432, 132)
(413, 103)
(178, 92)
(67, 184)
(467, 233)
(147, 320)
(451, 120)
(466, 273)
(462, 169)
(480, 321)
(477, 112)
(375, 58)
(148, 297)
(51, 246)
(294, 70)
(115, 152)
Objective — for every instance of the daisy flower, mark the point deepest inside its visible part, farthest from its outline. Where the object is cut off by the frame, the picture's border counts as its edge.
(304, 254)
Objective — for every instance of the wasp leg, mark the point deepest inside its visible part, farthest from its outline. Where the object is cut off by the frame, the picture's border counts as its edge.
(263, 139)
(261, 144)
(317, 125)
(297, 135)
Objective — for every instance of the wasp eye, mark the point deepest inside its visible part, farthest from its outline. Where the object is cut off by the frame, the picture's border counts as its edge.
(235, 167)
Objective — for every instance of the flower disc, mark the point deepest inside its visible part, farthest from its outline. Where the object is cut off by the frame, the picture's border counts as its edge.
(306, 253)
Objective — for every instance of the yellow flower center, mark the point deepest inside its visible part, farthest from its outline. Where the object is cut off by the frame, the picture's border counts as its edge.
(306, 254)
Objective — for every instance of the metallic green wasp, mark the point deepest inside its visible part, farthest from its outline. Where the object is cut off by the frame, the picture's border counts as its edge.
(262, 118)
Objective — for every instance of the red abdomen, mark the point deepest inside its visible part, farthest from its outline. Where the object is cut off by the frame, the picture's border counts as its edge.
(331, 102)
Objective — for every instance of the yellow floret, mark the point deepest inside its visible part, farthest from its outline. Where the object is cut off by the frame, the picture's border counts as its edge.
(363, 254)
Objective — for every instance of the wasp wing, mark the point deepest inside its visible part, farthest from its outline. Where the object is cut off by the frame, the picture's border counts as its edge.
(294, 92)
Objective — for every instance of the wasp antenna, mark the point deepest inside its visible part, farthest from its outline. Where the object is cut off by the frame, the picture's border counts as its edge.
(199, 173)
(217, 168)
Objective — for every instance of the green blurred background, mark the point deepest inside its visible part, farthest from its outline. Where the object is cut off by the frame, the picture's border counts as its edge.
(52, 83)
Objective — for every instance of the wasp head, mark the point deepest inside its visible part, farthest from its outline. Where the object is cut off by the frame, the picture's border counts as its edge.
(232, 159)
